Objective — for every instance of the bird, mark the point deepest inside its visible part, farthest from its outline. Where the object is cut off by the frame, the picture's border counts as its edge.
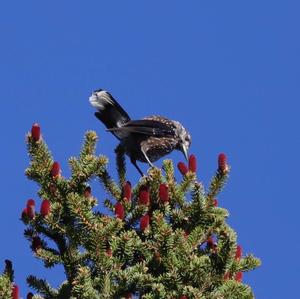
(145, 140)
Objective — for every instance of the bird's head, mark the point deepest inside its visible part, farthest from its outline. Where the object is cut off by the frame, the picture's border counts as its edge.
(184, 139)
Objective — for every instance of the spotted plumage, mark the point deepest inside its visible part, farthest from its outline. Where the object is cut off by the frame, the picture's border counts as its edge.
(145, 140)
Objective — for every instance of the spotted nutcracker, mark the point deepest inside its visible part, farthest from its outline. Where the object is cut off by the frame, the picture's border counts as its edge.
(145, 140)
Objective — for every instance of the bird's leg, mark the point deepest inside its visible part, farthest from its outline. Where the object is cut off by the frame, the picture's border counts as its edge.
(133, 161)
(144, 153)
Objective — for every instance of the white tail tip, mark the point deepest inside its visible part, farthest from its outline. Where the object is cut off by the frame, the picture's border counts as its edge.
(100, 99)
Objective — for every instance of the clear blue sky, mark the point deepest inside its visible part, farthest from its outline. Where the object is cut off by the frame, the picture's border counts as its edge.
(228, 70)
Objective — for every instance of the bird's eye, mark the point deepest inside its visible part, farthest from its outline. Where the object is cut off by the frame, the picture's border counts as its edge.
(187, 138)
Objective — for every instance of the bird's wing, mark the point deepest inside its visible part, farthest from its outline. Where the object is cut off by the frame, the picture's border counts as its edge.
(145, 126)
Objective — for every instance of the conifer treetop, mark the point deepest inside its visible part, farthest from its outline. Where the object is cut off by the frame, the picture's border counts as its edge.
(160, 238)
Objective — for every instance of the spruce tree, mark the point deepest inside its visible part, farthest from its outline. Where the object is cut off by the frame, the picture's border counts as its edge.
(163, 238)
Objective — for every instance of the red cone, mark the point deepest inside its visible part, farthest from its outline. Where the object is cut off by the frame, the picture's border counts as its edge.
(30, 208)
(24, 215)
(192, 163)
(222, 163)
(182, 168)
(127, 191)
(45, 207)
(239, 276)
(87, 192)
(55, 170)
(183, 297)
(144, 196)
(144, 222)
(128, 296)
(238, 253)
(163, 193)
(226, 276)
(35, 132)
(36, 244)
(108, 252)
(119, 211)
(15, 292)
(210, 242)
(216, 202)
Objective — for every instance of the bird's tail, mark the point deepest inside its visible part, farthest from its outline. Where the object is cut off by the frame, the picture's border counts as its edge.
(108, 109)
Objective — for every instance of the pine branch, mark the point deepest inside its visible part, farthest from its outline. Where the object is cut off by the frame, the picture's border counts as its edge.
(82, 285)
(42, 286)
(8, 271)
(233, 290)
(89, 145)
(5, 286)
(248, 263)
(111, 187)
(41, 160)
(216, 185)
(168, 167)
(49, 256)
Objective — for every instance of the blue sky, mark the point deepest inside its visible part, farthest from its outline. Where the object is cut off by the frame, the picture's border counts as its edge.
(228, 70)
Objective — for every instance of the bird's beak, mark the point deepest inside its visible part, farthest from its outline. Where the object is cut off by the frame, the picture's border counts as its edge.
(185, 151)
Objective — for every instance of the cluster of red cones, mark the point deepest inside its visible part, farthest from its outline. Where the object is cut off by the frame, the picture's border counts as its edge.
(144, 194)
(143, 199)
(30, 211)
(192, 165)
